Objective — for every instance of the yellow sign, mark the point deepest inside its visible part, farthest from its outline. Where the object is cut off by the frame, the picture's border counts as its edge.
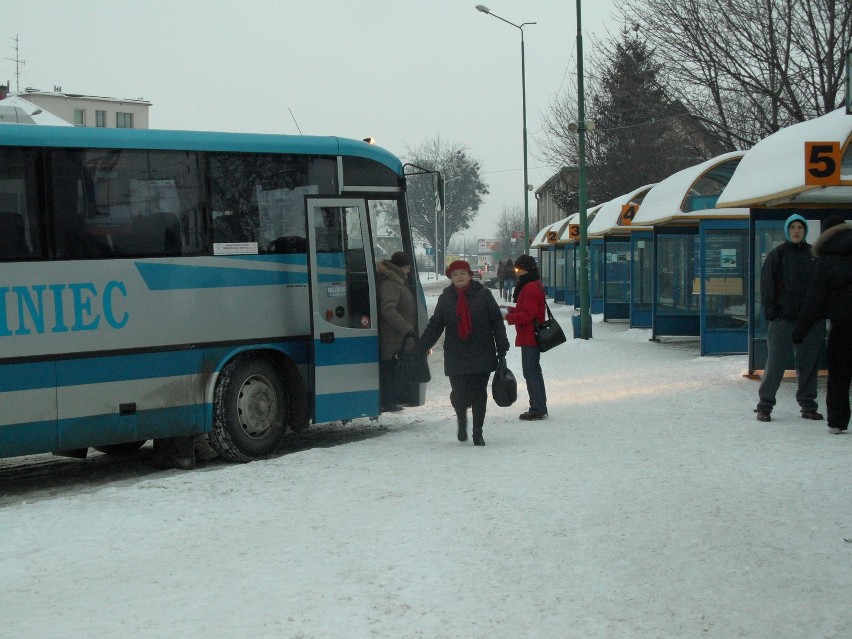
(628, 212)
(723, 286)
(573, 231)
(822, 163)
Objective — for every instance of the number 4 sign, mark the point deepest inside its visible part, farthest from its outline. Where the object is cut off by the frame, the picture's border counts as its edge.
(822, 163)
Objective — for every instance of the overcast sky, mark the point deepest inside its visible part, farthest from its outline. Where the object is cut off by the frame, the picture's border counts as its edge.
(401, 71)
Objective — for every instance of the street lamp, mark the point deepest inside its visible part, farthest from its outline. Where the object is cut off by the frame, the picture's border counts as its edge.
(582, 127)
(445, 212)
(520, 27)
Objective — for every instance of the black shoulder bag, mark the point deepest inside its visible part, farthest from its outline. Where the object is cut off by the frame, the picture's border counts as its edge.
(549, 333)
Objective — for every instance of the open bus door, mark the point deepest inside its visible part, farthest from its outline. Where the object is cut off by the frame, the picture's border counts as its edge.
(344, 314)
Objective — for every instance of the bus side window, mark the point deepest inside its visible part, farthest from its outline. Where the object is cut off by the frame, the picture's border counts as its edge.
(20, 236)
(13, 243)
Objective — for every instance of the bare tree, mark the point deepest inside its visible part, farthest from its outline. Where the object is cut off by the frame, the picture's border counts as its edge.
(511, 224)
(463, 185)
(641, 135)
(749, 67)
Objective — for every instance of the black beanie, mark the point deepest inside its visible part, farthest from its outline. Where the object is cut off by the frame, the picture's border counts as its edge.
(526, 263)
(400, 259)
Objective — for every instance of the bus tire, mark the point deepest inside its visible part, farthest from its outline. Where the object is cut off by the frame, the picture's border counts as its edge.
(120, 450)
(250, 409)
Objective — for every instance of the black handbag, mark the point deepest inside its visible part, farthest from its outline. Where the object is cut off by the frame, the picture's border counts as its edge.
(412, 367)
(504, 386)
(549, 333)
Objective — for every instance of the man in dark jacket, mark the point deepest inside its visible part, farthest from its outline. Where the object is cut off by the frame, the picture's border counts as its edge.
(474, 337)
(830, 296)
(784, 283)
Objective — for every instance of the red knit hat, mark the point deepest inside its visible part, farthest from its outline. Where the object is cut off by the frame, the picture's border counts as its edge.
(458, 265)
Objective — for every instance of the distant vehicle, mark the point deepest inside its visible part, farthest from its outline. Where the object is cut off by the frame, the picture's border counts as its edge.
(477, 274)
(160, 284)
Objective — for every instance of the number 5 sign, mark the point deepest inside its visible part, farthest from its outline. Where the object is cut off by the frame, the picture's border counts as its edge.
(822, 163)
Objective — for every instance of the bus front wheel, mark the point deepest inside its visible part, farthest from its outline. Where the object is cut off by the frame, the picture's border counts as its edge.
(250, 412)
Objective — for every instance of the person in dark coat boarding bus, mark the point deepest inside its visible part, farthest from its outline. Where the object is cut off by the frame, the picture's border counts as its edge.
(830, 296)
(784, 281)
(474, 338)
(524, 316)
(397, 321)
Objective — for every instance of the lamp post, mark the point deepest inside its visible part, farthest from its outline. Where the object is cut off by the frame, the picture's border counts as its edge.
(520, 27)
(445, 213)
(582, 127)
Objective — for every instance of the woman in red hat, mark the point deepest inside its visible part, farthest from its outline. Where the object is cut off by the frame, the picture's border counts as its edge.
(475, 338)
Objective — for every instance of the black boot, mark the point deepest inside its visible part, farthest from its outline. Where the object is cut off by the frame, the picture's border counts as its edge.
(462, 420)
(477, 437)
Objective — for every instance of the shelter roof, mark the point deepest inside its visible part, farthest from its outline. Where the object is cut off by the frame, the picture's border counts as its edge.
(609, 215)
(680, 195)
(772, 173)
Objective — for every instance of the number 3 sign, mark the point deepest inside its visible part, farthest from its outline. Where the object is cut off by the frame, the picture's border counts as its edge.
(822, 163)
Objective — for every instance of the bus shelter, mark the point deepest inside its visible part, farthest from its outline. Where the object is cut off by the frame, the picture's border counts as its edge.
(613, 224)
(805, 168)
(542, 245)
(566, 251)
(556, 283)
(700, 272)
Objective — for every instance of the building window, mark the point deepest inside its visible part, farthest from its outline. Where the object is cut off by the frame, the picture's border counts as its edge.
(124, 120)
(79, 117)
(100, 118)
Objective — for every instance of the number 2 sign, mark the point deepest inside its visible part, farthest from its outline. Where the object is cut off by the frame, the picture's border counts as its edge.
(822, 163)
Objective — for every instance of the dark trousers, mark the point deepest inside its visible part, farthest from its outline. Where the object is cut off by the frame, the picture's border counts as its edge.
(839, 355)
(531, 364)
(387, 382)
(470, 391)
(779, 343)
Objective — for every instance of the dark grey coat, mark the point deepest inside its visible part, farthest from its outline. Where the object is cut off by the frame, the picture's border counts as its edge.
(478, 353)
(397, 309)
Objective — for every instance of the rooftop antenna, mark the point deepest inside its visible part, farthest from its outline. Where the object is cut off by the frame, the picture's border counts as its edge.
(18, 64)
(294, 120)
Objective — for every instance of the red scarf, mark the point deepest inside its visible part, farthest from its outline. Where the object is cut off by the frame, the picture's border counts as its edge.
(463, 313)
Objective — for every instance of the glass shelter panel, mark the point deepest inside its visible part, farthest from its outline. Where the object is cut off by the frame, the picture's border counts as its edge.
(596, 276)
(545, 269)
(677, 286)
(617, 259)
(570, 274)
(726, 279)
(641, 278)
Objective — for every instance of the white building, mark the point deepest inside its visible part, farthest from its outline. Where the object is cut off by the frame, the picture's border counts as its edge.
(93, 111)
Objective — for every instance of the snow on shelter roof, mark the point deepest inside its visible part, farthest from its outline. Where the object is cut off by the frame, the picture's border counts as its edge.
(540, 239)
(668, 199)
(608, 215)
(564, 234)
(773, 170)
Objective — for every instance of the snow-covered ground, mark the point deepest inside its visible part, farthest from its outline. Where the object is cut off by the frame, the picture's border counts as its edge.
(650, 504)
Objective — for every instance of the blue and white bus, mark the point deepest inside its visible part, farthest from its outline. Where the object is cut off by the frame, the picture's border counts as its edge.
(159, 284)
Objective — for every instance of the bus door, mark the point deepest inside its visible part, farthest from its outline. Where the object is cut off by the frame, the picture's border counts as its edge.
(344, 317)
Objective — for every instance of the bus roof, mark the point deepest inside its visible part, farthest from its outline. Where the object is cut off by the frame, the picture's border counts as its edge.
(161, 139)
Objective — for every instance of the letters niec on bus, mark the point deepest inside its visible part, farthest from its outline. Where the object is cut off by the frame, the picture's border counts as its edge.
(62, 308)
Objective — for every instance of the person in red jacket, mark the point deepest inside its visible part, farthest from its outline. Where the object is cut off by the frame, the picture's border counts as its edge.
(524, 316)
